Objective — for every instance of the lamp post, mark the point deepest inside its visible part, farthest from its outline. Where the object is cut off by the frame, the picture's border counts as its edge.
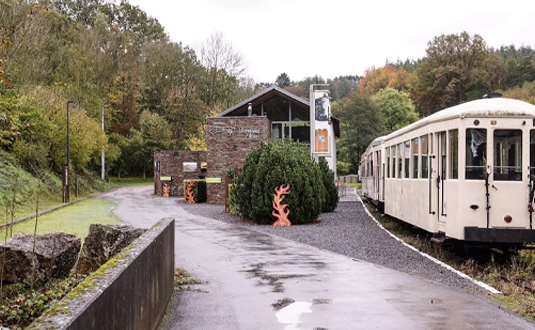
(66, 168)
(102, 170)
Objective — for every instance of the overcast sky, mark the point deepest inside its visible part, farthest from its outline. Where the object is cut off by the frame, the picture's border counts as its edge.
(337, 37)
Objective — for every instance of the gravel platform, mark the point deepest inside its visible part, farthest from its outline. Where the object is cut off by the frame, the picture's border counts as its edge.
(352, 232)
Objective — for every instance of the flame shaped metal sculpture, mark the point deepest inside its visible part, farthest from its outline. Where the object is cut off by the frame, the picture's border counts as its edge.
(165, 190)
(190, 197)
(282, 211)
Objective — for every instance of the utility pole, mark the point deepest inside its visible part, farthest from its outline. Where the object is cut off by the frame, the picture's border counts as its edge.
(103, 167)
(66, 168)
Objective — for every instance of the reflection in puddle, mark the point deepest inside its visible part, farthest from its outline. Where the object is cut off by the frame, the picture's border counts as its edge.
(291, 314)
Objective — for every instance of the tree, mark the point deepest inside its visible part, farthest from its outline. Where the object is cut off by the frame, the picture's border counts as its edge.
(361, 121)
(340, 87)
(452, 72)
(390, 75)
(525, 93)
(45, 113)
(310, 81)
(283, 80)
(170, 87)
(156, 135)
(224, 68)
(22, 28)
(495, 67)
(519, 65)
(396, 107)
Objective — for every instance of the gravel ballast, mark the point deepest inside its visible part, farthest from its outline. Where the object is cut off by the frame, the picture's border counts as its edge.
(350, 231)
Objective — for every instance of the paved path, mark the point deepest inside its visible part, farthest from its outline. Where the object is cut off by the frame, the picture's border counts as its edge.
(348, 194)
(257, 281)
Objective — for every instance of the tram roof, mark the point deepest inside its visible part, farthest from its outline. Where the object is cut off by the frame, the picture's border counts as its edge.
(493, 107)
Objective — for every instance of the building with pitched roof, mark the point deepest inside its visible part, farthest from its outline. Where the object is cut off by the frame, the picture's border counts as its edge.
(271, 115)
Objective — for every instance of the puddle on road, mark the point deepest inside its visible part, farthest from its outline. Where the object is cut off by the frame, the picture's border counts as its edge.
(290, 314)
(275, 281)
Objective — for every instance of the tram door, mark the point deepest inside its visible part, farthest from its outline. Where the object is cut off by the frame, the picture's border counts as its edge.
(378, 176)
(442, 161)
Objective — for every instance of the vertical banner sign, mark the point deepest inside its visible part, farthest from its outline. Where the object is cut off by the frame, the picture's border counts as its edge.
(322, 114)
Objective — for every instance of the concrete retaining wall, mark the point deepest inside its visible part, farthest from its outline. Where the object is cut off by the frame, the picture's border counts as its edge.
(131, 291)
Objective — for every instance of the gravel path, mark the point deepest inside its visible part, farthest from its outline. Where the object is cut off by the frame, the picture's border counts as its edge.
(350, 231)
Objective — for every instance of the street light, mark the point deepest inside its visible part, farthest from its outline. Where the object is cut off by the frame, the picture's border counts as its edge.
(66, 168)
(102, 170)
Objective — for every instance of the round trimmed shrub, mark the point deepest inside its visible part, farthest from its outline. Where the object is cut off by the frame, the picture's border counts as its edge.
(270, 166)
(331, 197)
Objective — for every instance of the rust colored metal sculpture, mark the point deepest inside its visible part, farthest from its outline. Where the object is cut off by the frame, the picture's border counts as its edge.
(165, 190)
(189, 195)
(282, 210)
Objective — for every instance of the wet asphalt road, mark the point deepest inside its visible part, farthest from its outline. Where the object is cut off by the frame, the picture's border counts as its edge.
(253, 280)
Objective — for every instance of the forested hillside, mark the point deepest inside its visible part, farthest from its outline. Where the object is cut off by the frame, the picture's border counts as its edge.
(109, 59)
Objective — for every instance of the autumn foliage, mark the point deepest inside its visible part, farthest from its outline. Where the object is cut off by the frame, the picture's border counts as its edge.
(390, 75)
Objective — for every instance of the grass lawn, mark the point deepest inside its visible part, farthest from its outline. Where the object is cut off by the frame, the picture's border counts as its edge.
(131, 181)
(73, 219)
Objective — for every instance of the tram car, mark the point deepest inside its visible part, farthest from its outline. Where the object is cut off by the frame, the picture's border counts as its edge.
(465, 173)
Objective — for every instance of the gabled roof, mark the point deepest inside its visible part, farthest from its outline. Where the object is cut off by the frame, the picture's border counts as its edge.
(263, 96)
(269, 93)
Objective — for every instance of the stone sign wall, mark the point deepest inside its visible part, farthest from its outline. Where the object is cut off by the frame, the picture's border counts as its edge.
(228, 141)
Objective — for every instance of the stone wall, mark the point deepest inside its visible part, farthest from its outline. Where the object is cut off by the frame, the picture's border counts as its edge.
(130, 291)
(228, 141)
(171, 164)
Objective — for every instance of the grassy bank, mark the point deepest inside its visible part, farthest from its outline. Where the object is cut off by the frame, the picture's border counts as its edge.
(73, 219)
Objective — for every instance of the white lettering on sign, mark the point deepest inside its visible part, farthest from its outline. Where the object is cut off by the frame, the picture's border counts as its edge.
(189, 166)
(250, 133)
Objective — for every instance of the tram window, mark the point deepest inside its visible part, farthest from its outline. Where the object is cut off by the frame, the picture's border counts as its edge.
(415, 157)
(443, 155)
(407, 158)
(388, 162)
(394, 161)
(532, 152)
(378, 163)
(476, 153)
(454, 154)
(425, 153)
(400, 161)
(508, 155)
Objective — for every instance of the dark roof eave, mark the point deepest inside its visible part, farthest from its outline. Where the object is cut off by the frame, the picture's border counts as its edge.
(262, 93)
(336, 126)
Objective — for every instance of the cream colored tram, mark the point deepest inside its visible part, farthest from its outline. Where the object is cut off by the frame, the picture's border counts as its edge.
(466, 172)
(372, 171)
